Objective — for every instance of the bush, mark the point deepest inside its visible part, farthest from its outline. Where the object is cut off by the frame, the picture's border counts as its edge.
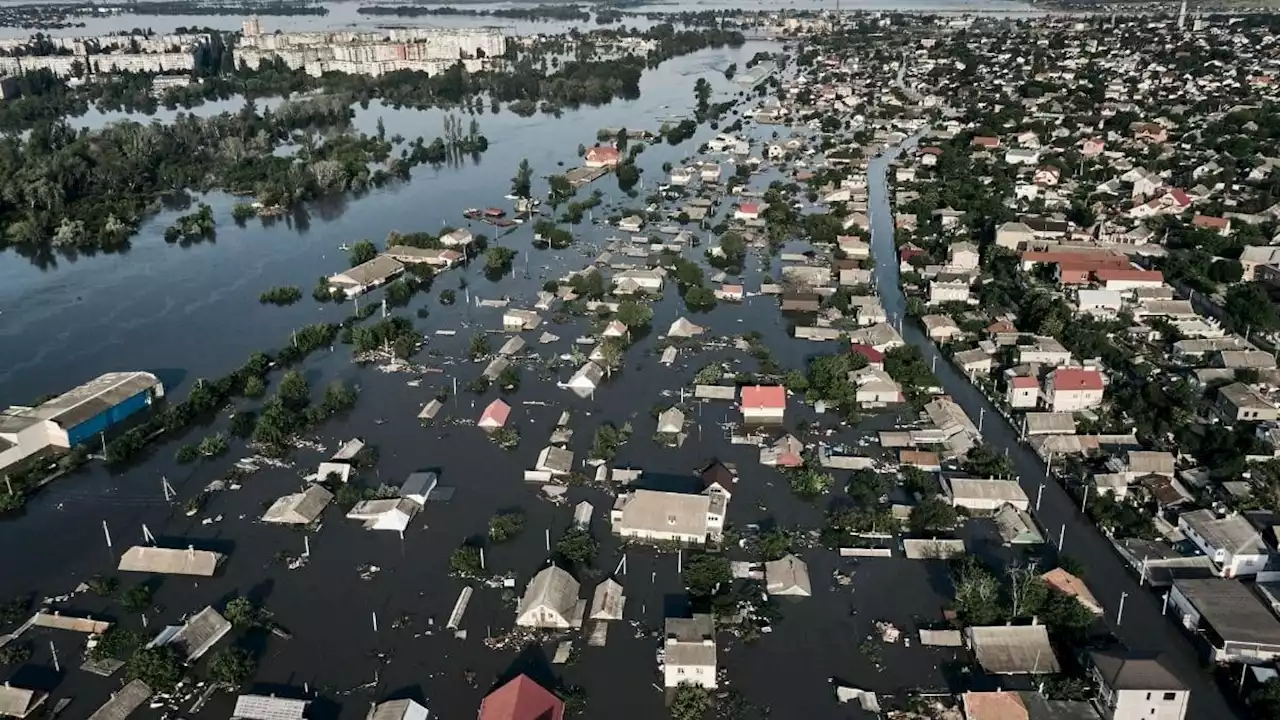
(505, 526)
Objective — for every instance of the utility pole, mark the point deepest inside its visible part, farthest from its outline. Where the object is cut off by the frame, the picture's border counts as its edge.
(1039, 495)
(1062, 535)
(1120, 612)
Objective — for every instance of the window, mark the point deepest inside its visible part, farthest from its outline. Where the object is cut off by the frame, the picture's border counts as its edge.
(1148, 697)
(1170, 697)
(679, 671)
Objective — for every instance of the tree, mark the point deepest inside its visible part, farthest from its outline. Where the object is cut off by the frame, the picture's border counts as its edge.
(521, 184)
(448, 297)
(231, 668)
(1247, 308)
(242, 613)
(577, 546)
(635, 315)
(479, 346)
(773, 544)
(118, 643)
(136, 599)
(808, 483)
(704, 573)
(977, 595)
(690, 702)
(561, 189)
(1264, 700)
(362, 252)
(294, 392)
(505, 526)
(931, 516)
(158, 667)
(254, 386)
(985, 461)
(465, 561)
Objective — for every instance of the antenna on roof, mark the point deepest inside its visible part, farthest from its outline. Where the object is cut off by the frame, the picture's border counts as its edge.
(146, 533)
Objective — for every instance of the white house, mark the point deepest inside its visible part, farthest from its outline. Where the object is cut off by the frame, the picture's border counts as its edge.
(1231, 542)
(1101, 303)
(392, 514)
(963, 256)
(631, 223)
(1072, 389)
(1023, 393)
(584, 382)
(875, 387)
(681, 176)
(461, 237)
(689, 653)
(763, 404)
(551, 601)
(747, 211)
(710, 173)
(1134, 686)
(669, 516)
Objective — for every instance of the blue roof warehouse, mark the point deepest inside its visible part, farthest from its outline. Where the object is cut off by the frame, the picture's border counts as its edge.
(76, 416)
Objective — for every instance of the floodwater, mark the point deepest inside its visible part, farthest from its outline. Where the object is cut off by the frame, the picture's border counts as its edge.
(345, 15)
(187, 313)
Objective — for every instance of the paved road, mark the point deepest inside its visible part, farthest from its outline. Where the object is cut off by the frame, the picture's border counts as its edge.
(1143, 628)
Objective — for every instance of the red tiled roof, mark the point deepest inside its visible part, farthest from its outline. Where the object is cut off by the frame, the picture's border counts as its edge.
(601, 152)
(1105, 274)
(1023, 383)
(773, 397)
(1180, 197)
(749, 208)
(1090, 260)
(496, 413)
(1206, 221)
(871, 354)
(1076, 379)
(986, 141)
(521, 699)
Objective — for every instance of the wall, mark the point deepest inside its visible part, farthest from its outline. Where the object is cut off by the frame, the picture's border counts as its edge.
(107, 418)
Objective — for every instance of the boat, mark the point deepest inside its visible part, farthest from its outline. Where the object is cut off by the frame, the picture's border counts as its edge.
(472, 214)
(495, 212)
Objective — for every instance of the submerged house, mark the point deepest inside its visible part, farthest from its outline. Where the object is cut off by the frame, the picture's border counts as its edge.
(584, 382)
(301, 508)
(551, 601)
(494, 416)
(170, 561)
(391, 514)
(607, 601)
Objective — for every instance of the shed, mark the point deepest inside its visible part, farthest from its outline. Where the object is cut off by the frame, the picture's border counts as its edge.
(123, 703)
(584, 382)
(418, 486)
(398, 710)
(557, 461)
(582, 514)
(19, 702)
(1013, 649)
(170, 561)
(1017, 526)
(1049, 423)
(512, 346)
(301, 508)
(200, 633)
(268, 707)
(607, 602)
(788, 575)
(495, 367)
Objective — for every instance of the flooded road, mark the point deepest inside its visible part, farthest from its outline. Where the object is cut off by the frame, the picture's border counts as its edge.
(1144, 629)
(186, 313)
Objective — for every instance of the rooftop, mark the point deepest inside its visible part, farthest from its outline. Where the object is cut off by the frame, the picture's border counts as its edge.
(1013, 649)
(1232, 610)
(1125, 670)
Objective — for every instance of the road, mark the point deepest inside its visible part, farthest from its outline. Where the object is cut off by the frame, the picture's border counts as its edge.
(1143, 628)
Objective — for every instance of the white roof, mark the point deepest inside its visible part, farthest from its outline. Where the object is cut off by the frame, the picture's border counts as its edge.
(267, 707)
(170, 561)
(787, 576)
(972, 489)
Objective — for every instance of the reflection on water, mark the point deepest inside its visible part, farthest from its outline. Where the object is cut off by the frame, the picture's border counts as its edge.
(66, 318)
(345, 15)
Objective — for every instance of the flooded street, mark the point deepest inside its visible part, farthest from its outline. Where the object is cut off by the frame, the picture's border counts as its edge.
(194, 312)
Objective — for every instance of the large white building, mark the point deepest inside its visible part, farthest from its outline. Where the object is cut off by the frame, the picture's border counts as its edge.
(429, 50)
(669, 516)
